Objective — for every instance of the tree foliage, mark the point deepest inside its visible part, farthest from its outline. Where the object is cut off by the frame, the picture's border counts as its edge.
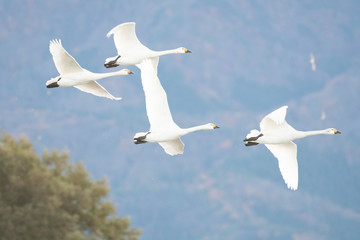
(50, 198)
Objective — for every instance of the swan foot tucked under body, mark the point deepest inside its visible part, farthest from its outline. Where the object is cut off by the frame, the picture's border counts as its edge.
(112, 63)
(252, 139)
(53, 83)
(140, 139)
(251, 144)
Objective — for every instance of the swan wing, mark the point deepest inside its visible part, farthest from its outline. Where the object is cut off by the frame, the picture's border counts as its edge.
(125, 38)
(273, 119)
(286, 155)
(173, 147)
(64, 62)
(157, 106)
(96, 89)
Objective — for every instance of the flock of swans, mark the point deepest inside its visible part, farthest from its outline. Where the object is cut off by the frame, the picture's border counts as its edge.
(275, 133)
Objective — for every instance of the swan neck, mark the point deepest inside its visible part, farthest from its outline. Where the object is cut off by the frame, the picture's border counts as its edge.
(194, 129)
(165, 52)
(303, 134)
(105, 75)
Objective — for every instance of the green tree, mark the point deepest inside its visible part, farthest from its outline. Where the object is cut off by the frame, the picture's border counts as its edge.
(49, 198)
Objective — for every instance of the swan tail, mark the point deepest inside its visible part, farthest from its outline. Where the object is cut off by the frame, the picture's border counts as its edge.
(253, 134)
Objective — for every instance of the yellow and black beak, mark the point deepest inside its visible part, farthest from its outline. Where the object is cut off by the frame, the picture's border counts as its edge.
(187, 51)
(214, 126)
(129, 72)
(336, 131)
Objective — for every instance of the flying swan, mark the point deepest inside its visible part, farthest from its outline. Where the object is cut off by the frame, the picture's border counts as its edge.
(163, 129)
(312, 61)
(130, 50)
(277, 135)
(72, 74)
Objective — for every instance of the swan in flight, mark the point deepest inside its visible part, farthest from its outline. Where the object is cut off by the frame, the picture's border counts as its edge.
(277, 135)
(323, 115)
(71, 74)
(312, 61)
(130, 50)
(163, 129)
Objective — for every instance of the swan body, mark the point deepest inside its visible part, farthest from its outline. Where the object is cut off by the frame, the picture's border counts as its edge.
(278, 136)
(72, 74)
(130, 50)
(163, 129)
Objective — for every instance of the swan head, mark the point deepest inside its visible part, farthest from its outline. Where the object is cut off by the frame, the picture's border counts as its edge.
(331, 131)
(127, 71)
(182, 50)
(212, 126)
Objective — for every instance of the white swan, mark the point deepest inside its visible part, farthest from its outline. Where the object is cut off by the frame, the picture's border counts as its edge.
(163, 129)
(312, 61)
(323, 115)
(72, 74)
(130, 50)
(277, 135)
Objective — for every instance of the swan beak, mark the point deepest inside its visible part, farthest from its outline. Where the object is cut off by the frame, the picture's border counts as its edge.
(214, 126)
(129, 72)
(187, 51)
(336, 131)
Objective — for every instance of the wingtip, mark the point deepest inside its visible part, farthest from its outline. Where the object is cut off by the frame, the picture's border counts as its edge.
(55, 41)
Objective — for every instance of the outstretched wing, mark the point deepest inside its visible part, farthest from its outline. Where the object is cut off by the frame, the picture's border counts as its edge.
(96, 89)
(157, 106)
(286, 155)
(173, 147)
(273, 119)
(64, 62)
(125, 38)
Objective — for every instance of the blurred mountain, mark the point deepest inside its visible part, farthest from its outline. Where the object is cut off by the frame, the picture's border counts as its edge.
(248, 58)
